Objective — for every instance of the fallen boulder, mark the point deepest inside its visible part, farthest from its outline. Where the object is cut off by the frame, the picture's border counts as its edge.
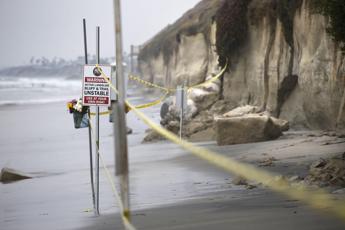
(283, 124)
(203, 99)
(241, 111)
(8, 175)
(250, 109)
(245, 129)
(152, 136)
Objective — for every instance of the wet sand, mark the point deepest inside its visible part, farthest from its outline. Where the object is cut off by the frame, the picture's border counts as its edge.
(169, 188)
(224, 211)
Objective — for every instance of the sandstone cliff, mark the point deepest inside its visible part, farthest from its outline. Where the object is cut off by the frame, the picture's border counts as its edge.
(280, 58)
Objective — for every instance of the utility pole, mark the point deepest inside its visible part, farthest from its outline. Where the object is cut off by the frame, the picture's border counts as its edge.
(119, 118)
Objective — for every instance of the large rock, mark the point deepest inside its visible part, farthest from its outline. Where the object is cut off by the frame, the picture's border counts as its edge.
(250, 109)
(245, 129)
(164, 110)
(196, 118)
(202, 98)
(242, 110)
(152, 136)
(283, 124)
(169, 111)
(8, 175)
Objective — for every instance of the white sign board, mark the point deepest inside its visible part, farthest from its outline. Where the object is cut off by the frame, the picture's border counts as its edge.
(96, 90)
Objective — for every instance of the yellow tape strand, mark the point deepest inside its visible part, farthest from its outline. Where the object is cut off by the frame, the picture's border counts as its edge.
(210, 80)
(162, 98)
(147, 83)
(315, 198)
(142, 106)
(124, 216)
(101, 113)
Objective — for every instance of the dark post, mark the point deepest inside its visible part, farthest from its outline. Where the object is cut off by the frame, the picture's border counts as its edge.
(132, 59)
(90, 136)
(97, 130)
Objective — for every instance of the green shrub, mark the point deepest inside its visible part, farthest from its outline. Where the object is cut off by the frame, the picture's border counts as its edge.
(232, 28)
(335, 11)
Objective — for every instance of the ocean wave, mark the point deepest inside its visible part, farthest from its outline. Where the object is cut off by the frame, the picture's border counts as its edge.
(26, 91)
(32, 101)
(7, 83)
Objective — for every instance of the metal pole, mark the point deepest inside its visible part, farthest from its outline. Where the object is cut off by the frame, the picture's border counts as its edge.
(90, 136)
(97, 130)
(132, 61)
(131, 57)
(181, 110)
(119, 118)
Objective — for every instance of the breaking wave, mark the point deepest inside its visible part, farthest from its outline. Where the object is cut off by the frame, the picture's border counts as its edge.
(55, 83)
(20, 91)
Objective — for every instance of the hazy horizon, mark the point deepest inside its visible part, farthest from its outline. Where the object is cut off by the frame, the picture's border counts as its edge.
(47, 28)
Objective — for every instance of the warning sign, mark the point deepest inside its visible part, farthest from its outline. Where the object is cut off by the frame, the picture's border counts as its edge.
(96, 90)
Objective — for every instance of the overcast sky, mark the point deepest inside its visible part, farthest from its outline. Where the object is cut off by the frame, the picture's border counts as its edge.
(53, 28)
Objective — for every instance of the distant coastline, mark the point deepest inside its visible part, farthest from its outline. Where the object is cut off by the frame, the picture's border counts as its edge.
(56, 67)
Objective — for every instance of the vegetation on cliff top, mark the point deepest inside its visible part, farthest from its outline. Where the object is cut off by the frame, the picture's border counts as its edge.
(232, 27)
(234, 15)
(233, 18)
(335, 11)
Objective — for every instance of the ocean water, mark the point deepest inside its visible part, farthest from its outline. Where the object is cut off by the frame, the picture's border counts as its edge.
(40, 90)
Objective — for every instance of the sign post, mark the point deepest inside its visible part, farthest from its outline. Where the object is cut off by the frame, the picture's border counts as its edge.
(90, 136)
(181, 103)
(97, 127)
(96, 92)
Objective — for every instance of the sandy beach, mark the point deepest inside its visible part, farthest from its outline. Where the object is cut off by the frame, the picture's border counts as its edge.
(169, 188)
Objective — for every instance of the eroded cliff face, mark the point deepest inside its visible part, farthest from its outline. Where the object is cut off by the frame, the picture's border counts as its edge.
(192, 61)
(287, 64)
(184, 51)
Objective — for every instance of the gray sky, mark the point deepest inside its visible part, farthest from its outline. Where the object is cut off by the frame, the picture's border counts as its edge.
(54, 27)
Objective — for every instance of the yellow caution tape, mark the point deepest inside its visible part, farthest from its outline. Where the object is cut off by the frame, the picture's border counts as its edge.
(315, 198)
(210, 80)
(162, 98)
(150, 84)
(142, 106)
(101, 113)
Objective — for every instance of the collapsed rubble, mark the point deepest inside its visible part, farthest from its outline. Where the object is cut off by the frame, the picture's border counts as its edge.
(207, 118)
(327, 172)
